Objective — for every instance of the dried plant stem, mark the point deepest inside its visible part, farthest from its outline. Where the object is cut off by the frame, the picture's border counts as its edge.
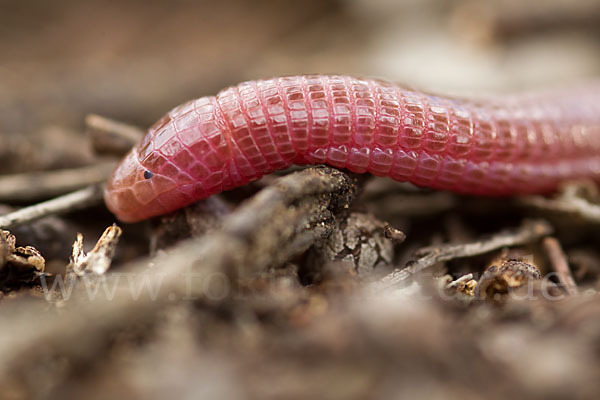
(559, 263)
(567, 204)
(528, 232)
(83, 198)
(111, 137)
(32, 186)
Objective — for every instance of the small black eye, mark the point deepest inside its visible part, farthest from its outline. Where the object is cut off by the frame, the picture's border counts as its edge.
(147, 174)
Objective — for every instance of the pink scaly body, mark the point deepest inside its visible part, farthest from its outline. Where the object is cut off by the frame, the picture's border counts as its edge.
(512, 145)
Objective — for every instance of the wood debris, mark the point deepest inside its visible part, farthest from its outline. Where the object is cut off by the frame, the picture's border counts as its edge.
(360, 244)
(465, 284)
(18, 264)
(498, 280)
(98, 260)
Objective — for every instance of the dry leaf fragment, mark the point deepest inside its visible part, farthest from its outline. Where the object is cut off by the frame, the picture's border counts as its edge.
(497, 281)
(98, 260)
(18, 264)
(361, 243)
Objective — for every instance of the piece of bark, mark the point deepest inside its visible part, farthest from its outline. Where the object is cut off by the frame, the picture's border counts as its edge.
(18, 264)
(498, 280)
(358, 244)
(192, 221)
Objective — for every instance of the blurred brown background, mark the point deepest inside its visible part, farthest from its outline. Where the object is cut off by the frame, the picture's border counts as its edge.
(134, 60)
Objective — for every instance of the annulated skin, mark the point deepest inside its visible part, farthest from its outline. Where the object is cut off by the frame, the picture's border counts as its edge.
(511, 145)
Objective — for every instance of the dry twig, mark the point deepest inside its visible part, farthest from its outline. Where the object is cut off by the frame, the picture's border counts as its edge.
(80, 199)
(111, 137)
(559, 263)
(32, 186)
(528, 232)
(459, 281)
(566, 204)
(465, 284)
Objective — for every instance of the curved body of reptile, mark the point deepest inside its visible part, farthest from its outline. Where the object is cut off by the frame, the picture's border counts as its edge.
(511, 145)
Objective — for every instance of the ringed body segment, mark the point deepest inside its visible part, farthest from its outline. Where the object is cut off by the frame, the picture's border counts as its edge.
(521, 144)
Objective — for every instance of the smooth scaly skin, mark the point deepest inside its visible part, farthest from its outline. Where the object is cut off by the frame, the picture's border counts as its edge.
(513, 145)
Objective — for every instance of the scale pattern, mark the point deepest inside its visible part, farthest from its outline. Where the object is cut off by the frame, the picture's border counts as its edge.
(511, 145)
